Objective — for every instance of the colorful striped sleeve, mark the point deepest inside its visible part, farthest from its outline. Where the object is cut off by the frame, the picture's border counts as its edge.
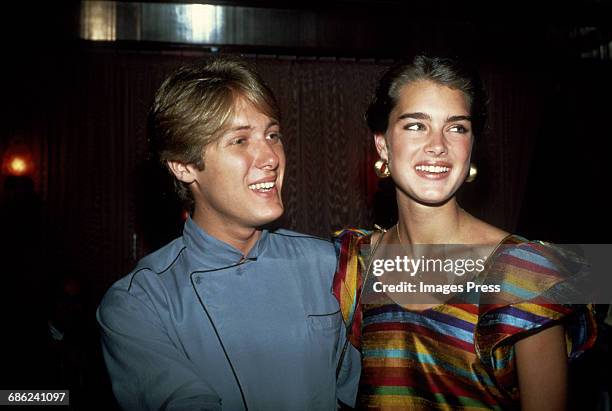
(536, 288)
(348, 278)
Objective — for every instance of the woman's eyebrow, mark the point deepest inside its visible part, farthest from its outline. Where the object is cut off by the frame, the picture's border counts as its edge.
(418, 116)
(458, 118)
(425, 116)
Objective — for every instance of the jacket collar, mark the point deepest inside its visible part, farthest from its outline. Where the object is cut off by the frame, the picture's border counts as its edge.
(209, 252)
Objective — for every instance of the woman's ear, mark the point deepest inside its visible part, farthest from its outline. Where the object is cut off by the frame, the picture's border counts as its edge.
(183, 172)
(381, 146)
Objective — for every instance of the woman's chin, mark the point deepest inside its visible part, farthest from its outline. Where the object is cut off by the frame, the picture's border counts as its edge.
(434, 202)
(431, 199)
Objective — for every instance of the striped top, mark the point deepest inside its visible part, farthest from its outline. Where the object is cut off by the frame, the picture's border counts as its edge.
(455, 356)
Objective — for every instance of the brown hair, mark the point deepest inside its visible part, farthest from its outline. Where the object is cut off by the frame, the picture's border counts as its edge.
(444, 71)
(194, 106)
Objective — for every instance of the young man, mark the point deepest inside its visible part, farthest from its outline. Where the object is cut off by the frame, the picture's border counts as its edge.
(229, 315)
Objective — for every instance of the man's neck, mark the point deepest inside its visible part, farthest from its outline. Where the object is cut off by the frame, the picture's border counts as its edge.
(240, 237)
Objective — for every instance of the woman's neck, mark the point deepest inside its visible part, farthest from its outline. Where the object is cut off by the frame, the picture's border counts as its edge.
(424, 224)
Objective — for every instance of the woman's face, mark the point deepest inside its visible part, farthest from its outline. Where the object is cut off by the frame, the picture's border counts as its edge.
(428, 141)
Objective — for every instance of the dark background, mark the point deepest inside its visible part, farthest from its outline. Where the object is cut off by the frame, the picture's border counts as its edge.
(94, 204)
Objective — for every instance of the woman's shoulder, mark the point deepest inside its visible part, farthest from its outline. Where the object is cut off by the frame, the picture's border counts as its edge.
(352, 232)
(539, 286)
(353, 238)
(523, 250)
(553, 259)
(481, 232)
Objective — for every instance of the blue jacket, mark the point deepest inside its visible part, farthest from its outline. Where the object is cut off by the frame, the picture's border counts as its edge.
(196, 327)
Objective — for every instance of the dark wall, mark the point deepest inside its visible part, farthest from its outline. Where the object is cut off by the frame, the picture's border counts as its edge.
(542, 163)
(96, 205)
(567, 191)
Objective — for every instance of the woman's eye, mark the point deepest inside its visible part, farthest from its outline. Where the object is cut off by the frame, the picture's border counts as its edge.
(414, 127)
(238, 141)
(458, 129)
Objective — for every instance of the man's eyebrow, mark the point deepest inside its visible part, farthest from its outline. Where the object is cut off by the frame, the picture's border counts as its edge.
(418, 116)
(272, 124)
(238, 128)
(248, 127)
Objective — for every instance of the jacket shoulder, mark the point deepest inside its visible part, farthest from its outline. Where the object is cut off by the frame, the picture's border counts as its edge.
(301, 240)
(139, 282)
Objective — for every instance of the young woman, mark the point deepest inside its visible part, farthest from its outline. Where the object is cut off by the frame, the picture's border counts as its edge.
(425, 117)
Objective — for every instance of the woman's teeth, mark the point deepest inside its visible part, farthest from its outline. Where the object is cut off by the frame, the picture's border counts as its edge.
(433, 169)
(262, 186)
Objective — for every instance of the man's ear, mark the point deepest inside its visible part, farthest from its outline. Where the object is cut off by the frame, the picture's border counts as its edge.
(381, 146)
(183, 172)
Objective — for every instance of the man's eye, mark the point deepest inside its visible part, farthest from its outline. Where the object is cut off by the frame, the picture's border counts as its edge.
(274, 137)
(414, 127)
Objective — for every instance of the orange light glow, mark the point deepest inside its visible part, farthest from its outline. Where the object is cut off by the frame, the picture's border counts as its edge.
(17, 166)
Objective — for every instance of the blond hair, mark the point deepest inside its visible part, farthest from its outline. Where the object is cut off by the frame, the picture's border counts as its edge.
(195, 105)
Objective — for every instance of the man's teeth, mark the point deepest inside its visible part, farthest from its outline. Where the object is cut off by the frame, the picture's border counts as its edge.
(263, 186)
(433, 169)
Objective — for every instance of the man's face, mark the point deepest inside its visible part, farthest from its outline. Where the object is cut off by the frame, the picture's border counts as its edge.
(240, 185)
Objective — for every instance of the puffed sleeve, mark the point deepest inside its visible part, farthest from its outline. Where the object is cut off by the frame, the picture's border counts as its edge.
(348, 279)
(147, 370)
(536, 292)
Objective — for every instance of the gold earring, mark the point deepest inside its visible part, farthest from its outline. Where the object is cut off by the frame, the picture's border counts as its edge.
(381, 167)
(472, 174)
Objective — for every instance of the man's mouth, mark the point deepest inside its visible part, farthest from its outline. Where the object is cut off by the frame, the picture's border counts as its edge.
(262, 187)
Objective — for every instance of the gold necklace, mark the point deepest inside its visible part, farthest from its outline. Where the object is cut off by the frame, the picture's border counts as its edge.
(407, 248)
(399, 236)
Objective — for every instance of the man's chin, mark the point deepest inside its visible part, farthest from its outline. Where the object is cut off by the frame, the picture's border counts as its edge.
(270, 219)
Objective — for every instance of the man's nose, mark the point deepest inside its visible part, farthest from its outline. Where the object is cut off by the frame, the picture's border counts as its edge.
(267, 155)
